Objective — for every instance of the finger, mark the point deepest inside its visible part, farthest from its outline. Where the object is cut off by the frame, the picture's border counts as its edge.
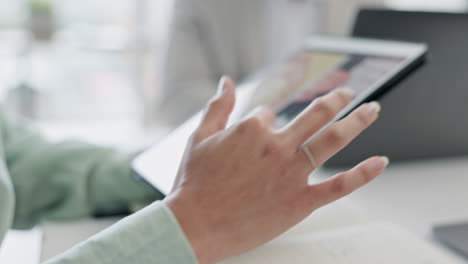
(340, 134)
(346, 182)
(320, 112)
(218, 110)
(264, 114)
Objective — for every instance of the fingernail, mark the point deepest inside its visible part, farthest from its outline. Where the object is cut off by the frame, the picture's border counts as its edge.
(225, 84)
(347, 91)
(221, 85)
(374, 107)
(382, 163)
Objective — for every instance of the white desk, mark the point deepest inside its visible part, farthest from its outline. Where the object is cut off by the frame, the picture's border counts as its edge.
(414, 195)
(418, 195)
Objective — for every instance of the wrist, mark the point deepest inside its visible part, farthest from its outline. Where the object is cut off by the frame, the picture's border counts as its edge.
(194, 224)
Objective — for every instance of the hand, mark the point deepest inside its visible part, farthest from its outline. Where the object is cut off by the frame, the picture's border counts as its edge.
(240, 187)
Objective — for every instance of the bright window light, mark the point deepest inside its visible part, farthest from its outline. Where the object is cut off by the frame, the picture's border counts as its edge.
(435, 5)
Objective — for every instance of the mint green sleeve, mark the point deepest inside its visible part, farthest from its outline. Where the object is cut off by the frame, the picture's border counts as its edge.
(151, 235)
(68, 180)
(43, 180)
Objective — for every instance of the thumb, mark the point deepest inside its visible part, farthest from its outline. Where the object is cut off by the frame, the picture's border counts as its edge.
(218, 110)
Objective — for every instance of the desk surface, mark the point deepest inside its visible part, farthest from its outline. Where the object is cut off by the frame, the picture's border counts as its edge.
(416, 196)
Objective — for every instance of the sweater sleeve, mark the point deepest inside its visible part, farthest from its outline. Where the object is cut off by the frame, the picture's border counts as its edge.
(67, 180)
(151, 235)
(6, 201)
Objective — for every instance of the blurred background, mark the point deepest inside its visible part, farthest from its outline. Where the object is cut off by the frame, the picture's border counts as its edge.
(124, 73)
(81, 68)
(93, 70)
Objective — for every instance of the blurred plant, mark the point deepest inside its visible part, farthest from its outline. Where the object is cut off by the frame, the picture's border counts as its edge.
(42, 7)
(42, 22)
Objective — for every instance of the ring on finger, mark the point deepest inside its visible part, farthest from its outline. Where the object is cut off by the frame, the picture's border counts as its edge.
(309, 156)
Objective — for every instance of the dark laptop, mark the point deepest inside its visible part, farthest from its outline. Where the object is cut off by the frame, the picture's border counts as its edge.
(425, 116)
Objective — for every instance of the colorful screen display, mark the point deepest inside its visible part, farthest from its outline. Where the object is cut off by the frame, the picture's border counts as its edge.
(290, 87)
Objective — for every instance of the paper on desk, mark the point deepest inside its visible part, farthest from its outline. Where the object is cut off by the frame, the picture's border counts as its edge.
(22, 247)
(343, 233)
(381, 243)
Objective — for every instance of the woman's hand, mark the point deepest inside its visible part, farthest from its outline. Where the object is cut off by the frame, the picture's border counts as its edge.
(238, 188)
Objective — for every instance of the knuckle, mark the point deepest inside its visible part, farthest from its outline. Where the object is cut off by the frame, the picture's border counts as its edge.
(215, 103)
(343, 98)
(219, 100)
(333, 136)
(325, 108)
(251, 124)
(275, 146)
(338, 185)
(241, 128)
(366, 173)
(195, 137)
(363, 118)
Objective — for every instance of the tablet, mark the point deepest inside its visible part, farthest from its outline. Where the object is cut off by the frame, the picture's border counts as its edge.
(426, 113)
(322, 64)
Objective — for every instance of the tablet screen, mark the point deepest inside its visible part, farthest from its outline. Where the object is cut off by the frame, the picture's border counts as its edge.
(291, 86)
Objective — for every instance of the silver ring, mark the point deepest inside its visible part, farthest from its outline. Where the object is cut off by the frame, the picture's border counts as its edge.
(309, 156)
